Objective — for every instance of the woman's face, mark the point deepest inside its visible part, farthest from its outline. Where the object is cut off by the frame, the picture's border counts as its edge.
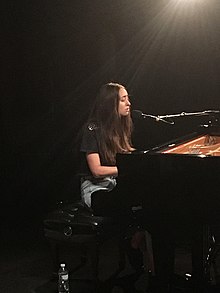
(124, 103)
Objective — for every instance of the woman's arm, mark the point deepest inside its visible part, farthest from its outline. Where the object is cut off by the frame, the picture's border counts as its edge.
(97, 169)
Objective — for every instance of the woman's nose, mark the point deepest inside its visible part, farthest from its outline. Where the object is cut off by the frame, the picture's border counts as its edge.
(128, 103)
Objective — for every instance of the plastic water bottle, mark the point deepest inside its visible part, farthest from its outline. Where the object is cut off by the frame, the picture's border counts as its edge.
(63, 279)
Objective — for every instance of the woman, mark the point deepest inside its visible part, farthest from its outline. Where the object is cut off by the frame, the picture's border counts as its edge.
(107, 132)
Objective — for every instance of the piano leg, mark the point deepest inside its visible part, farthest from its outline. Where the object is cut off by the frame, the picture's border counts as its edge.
(164, 258)
(202, 249)
(163, 244)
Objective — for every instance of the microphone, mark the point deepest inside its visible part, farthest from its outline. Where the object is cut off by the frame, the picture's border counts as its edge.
(137, 114)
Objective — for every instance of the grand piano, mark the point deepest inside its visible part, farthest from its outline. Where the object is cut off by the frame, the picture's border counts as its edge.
(178, 183)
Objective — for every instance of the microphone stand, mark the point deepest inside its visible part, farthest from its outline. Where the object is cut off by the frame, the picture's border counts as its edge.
(157, 118)
(163, 118)
(183, 114)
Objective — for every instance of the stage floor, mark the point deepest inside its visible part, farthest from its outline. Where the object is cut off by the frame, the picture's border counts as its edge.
(27, 266)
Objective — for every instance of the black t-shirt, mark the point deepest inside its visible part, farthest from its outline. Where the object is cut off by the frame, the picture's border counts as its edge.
(89, 144)
(89, 141)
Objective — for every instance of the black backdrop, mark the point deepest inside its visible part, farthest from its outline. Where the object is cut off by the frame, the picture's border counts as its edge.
(55, 54)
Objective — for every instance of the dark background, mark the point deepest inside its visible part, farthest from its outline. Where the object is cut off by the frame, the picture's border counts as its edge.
(55, 54)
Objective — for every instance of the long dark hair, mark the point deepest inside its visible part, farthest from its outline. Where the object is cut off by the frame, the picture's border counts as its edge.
(115, 130)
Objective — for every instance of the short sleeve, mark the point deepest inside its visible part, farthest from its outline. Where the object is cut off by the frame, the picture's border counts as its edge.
(89, 141)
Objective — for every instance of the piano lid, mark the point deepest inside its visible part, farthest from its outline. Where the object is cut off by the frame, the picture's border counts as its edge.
(180, 179)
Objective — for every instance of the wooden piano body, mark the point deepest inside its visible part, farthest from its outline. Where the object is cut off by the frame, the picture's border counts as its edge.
(205, 144)
(178, 183)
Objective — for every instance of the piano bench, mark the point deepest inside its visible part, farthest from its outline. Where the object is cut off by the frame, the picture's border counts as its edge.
(73, 224)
